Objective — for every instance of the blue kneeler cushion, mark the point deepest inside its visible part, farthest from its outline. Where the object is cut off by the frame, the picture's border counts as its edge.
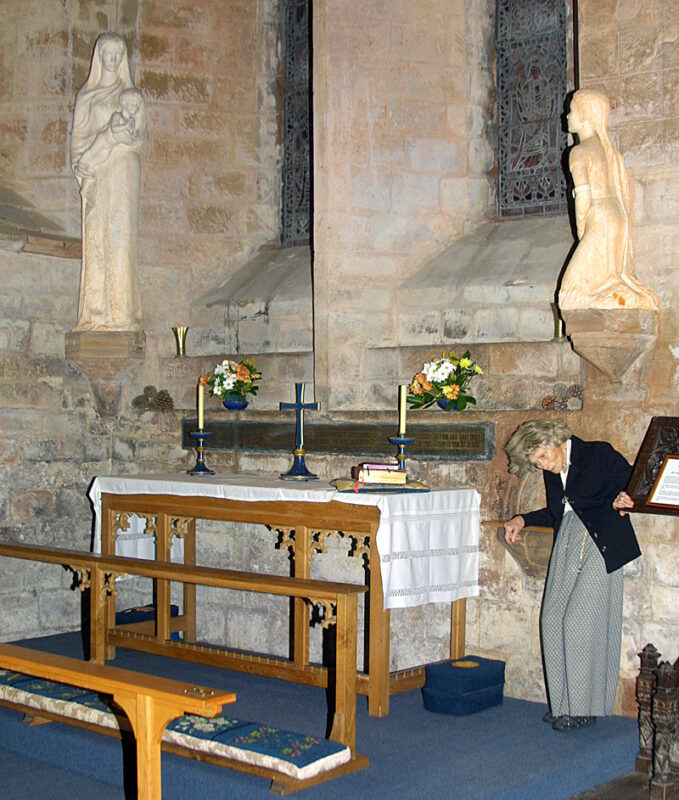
(464, 686)
(296, 755)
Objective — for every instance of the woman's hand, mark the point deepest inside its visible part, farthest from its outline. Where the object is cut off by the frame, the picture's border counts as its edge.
(512, 528)
(622, 501)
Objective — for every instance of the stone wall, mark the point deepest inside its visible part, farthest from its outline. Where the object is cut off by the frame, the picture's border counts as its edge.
(403, 168)
(401, 163)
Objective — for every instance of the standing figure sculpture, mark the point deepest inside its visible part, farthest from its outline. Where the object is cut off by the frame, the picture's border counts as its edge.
(598, 274)
(109, 131)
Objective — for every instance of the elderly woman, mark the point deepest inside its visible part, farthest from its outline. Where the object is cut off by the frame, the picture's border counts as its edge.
(581, 620)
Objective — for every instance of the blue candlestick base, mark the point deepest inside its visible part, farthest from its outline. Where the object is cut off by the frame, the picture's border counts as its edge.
(401, 441)
(298, 471)
(200, 470)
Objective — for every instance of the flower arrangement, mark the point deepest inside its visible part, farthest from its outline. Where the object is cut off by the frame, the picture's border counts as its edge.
(444, 381)
(234, 378)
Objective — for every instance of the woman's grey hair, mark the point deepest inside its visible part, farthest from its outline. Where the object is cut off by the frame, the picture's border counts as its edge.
(528, 437)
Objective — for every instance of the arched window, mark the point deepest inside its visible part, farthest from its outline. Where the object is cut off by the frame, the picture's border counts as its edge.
(532, 68)
(296, 174)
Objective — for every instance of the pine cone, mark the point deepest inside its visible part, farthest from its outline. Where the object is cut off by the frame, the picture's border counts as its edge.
(141, 401)
(549, 402)
(162, 401)
(150, 392)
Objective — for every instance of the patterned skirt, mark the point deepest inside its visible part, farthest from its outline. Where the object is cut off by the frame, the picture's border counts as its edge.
(580, 625)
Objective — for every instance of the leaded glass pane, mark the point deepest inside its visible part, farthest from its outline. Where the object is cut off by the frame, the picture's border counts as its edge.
(296, 178)
(531, 77)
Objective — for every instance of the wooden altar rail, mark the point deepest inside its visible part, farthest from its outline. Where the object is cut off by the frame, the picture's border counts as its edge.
(657, 692)
(99, 573)
(307, 520)
(149, 702)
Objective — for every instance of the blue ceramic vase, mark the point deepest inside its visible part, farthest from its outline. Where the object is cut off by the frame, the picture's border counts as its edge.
(447, 405)
(235, 402)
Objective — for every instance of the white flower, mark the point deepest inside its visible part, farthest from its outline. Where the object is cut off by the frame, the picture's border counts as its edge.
(439, 370)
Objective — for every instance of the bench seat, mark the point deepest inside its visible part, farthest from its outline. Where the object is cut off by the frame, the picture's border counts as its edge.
(295, 755)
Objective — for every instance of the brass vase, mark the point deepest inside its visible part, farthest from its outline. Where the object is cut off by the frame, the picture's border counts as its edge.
(180, 337)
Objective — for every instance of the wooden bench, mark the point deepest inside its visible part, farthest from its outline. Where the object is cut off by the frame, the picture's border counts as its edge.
(148, 701)
(338, 601)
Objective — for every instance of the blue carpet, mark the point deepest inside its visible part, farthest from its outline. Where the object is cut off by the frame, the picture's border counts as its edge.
(503, 753)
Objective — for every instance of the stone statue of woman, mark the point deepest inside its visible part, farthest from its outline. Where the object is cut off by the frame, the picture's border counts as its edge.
(109, 132)
(599, 273)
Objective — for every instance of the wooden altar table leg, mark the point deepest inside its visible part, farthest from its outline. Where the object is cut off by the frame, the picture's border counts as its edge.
(190, 588)
(301, 568)
(108, 548)
(163, 544)
(378, 639)
(458, 622)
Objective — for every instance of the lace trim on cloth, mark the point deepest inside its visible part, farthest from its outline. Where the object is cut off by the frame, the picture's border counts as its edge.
(441, 551)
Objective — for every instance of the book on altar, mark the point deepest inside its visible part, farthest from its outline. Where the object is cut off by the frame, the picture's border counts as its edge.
(379, 473)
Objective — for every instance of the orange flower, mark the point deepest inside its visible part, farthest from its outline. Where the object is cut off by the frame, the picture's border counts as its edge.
(415, 388)
(242, 373)
(204, 379)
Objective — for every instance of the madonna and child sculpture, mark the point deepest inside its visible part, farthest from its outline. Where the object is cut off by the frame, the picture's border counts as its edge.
(109, 132)
(599, 273)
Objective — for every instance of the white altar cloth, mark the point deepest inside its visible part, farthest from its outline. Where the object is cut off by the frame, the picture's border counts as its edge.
(428, 541)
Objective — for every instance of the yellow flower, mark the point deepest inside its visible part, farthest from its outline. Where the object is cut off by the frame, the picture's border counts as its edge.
(465, 363)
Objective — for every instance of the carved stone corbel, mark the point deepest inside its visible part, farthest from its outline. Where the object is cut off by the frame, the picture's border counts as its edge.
(612, 340)
(106, 358)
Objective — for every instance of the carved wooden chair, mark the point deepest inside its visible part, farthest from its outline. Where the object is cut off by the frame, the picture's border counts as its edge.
(658, 698)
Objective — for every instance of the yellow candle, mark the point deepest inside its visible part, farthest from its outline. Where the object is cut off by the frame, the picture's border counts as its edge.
(402, 410)
(200, 405)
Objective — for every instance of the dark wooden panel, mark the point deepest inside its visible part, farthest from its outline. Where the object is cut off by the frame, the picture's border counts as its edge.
(461, 442)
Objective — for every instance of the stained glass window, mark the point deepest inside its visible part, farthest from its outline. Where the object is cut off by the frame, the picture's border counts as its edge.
(531, 77)
(296, 174)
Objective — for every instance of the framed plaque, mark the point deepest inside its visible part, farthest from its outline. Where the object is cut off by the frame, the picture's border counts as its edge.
(654, 485)
(665, 491)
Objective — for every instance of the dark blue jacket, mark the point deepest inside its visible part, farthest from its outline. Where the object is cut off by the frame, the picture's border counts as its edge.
(597, 473)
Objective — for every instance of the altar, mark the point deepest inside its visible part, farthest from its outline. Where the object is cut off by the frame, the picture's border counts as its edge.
(426, 545)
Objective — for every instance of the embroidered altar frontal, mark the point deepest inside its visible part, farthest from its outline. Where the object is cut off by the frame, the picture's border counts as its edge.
(464, 686)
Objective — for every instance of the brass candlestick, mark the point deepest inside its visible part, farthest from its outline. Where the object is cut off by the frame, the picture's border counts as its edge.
(180, 337)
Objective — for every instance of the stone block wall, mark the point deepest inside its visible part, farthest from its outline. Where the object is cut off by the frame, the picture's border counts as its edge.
(402, 170)
(401, 166)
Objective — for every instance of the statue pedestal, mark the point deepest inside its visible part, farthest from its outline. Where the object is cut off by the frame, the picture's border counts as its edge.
(611, 340)
(106, 358)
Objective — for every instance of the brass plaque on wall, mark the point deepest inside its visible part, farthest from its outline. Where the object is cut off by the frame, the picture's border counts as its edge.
(462, 442)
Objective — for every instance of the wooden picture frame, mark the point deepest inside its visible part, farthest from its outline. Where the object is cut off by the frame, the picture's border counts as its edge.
(659, 448)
